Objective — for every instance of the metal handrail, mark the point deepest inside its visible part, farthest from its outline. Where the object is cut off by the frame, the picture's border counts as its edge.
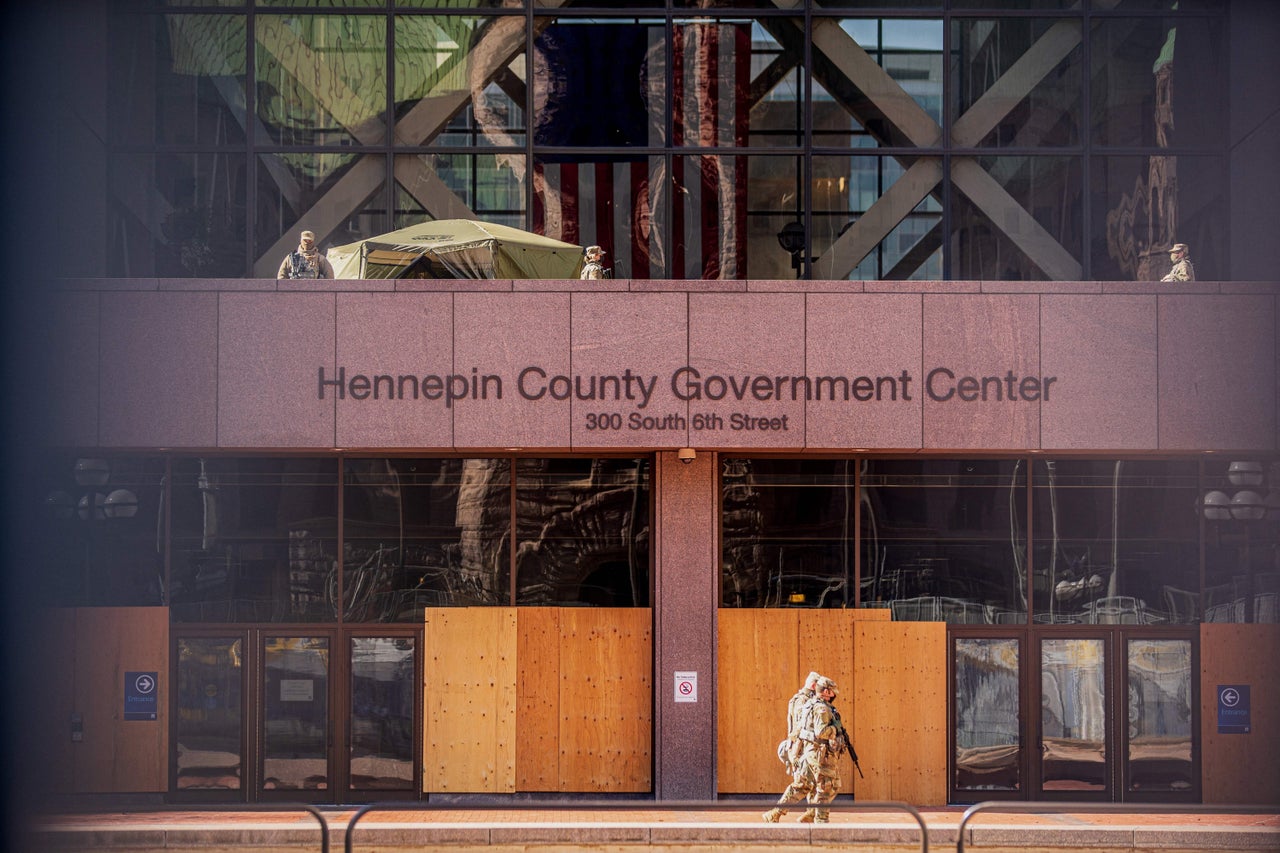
(1042, 807)
(615, 805)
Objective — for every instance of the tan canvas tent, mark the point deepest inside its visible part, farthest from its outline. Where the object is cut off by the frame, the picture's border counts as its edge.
(457, 248)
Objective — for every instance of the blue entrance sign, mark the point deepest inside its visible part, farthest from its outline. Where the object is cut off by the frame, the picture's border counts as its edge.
(1233, 709)
(140, 691)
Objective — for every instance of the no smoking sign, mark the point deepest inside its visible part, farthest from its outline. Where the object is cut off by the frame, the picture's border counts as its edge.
(686, 686)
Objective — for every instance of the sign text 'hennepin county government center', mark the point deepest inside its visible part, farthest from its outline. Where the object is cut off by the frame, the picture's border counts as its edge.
(517, 398)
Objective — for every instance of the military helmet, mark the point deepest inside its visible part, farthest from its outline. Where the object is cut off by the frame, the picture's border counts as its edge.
(825, 683)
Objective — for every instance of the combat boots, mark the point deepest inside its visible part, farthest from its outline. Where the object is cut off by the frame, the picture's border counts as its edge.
(808, 816)
(823, 816)
(773, 815)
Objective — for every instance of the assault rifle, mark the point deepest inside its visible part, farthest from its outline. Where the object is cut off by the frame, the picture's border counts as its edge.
(843, 734)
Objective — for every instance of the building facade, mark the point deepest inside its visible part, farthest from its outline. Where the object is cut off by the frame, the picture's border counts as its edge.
(884, 384)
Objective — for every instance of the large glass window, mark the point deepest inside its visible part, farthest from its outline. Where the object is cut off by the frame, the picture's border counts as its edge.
(604, 123)
(424, 533)
(254, 539)
(1239, 507)
(945, 539)
(788, 532)
(582, 532)
(101, 532)
(1116, 542)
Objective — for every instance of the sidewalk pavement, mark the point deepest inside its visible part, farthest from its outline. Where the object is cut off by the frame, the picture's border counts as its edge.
(568, 827)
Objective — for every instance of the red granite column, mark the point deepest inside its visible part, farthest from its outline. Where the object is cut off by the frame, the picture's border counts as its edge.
(685, 626)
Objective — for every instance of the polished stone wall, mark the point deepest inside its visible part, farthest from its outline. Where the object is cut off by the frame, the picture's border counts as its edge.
(991, 367)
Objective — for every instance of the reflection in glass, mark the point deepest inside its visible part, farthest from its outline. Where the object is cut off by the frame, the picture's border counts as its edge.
(1073, 703)
(317, 82)
(98, 537)
(489, 185)
(293, 183)
(195, 69)
(617, 202)
(787, 532)
(1018, 218)
(295, 726)
(582, 532)
(179, 215)
(254, 539)
(459, 80)
(1242, 576)
(865, 235)
(1160, 715)
(1146, 204)
(1039, 105)
(209, 723)
(599, 83)
(852, 108)
(383, 679)
(1115, 542)
(424, 533)
(945, 539)
(988, 744)
(709, 218)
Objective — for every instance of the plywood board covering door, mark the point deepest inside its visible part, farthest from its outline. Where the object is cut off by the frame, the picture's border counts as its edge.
(892, 679)
(469, 700)
(538, 699)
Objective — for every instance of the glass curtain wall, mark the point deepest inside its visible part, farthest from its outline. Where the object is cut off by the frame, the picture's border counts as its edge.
(297, 539)
(692, 140)
(975, 541)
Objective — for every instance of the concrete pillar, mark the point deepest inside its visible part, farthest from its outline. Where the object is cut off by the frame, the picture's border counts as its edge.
(685, 599)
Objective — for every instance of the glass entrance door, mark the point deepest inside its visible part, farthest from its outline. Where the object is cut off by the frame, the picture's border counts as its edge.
(1111, 714)
(382, 743)
(259, 714)
(1074, 724)
(297, 728)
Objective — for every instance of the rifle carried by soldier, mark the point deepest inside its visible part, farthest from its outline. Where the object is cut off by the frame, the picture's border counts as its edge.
(844, 741)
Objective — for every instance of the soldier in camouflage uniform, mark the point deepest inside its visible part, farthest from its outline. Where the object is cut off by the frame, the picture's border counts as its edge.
(791, 748)
(817, 775)
(829, 741)
(1182, 270)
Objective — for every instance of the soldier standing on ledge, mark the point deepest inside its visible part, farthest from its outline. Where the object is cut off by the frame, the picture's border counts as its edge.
(593, 269)
(1182, 270)
(305, 261)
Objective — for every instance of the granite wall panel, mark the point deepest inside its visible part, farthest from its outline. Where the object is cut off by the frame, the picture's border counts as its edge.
(272, 348)
(160, 376)
(402, 346)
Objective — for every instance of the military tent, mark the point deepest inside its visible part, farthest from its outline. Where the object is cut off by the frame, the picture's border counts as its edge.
(457, 248)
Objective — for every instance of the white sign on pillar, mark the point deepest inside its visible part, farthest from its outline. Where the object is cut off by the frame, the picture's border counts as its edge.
(686, 687)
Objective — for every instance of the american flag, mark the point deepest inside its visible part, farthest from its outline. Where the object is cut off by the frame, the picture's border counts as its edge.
(618, 202)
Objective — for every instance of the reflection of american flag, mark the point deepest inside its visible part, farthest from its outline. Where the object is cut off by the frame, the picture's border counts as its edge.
(619, 203)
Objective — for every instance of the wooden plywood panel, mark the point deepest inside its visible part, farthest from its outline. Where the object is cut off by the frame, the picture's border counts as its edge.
(1240, 768)
(900, 711)
(538, 698)
(827, 646)
(50, 712)
(757, 673)
(606, 700)
(469, 700)
(119, 755)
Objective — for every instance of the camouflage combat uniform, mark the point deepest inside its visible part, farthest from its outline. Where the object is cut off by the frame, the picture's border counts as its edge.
(815, 774)
(823, 752)
(1180, 255)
